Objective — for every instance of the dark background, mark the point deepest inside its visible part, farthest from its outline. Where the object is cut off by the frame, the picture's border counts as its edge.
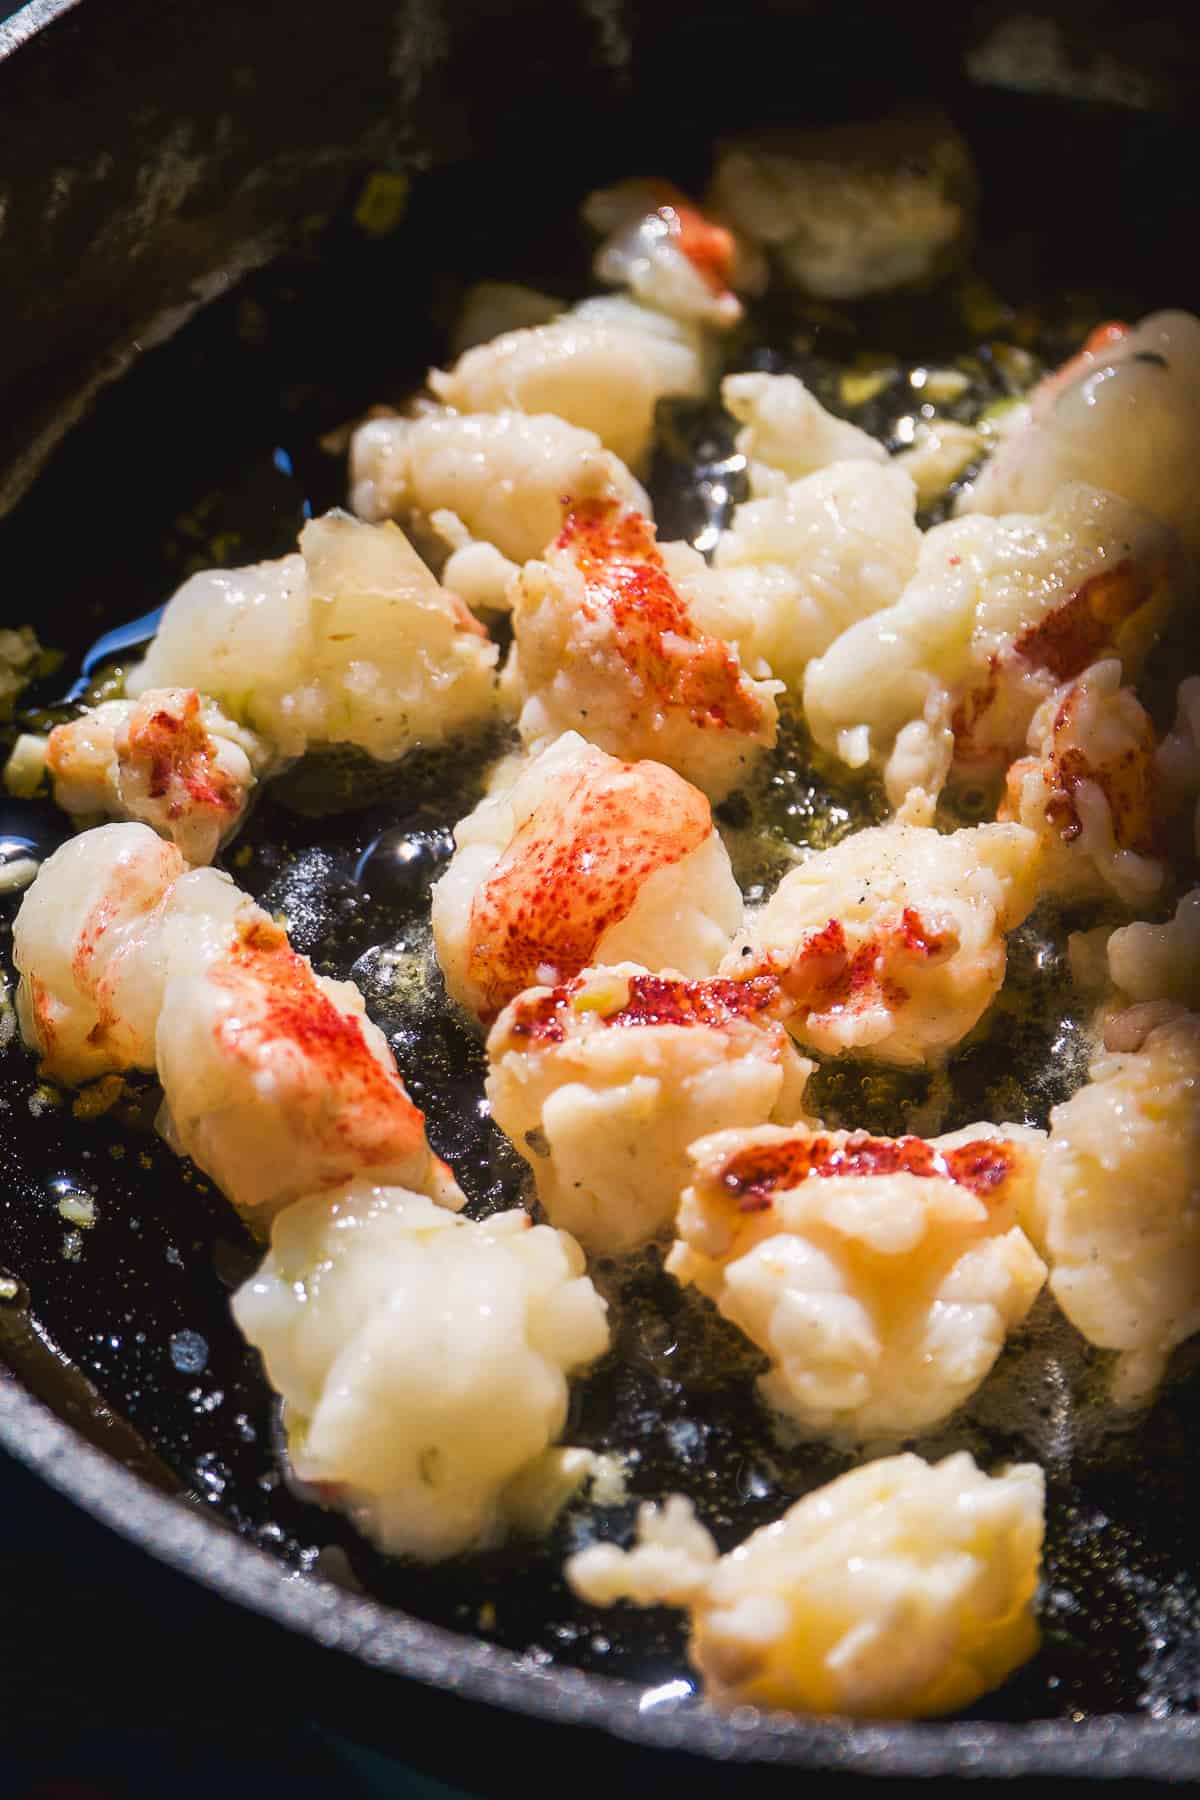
(121, 1680)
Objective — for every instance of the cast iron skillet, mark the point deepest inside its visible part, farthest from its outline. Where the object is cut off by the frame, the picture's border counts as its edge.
(153, 157)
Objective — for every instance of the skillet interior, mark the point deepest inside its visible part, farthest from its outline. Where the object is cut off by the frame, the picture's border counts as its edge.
(182, 457)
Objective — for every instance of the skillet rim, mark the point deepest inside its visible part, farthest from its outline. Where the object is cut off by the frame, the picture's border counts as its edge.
(28, 20)
(1107, 1747)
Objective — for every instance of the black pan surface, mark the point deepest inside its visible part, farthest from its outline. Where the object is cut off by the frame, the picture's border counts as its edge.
(211, 450)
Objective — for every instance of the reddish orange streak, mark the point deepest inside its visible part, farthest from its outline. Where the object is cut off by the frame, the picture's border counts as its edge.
(1128, 782)
(616, 553)
(752, 1175)
(825, 975)
(1105, 335)
(279, 1001)
(1097, 342)
(918, 938)
(973, 708)
(1075, 633)
(574, 870)
(653, 1000)
(178, 754)
(709, 248)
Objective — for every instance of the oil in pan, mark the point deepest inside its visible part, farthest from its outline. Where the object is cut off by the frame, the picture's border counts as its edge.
(119, 1259)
